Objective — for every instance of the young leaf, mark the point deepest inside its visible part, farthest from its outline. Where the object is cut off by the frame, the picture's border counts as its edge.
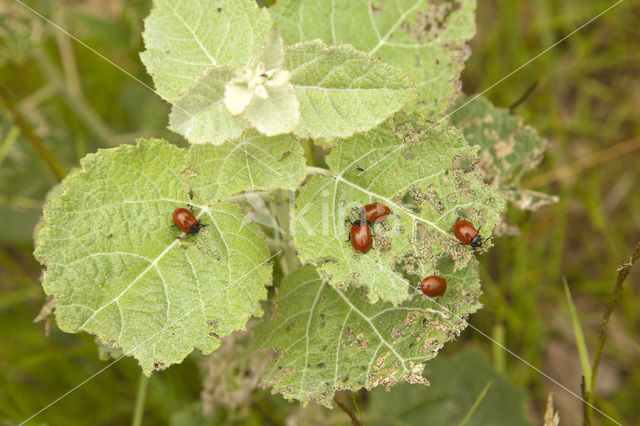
(119, 270)
(186, 37)
(264, 93)
(201, 115)
(252, 162)
(224, 101)
(338, 92)
(276, 114)
(343, 91)
(508, 148)
(425, 176)
(425, 38)
(331, 339)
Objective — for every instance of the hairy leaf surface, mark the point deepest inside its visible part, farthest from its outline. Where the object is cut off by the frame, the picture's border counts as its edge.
(184, 38)
(343, 91)
(201, 116)
(331, 339)
(425, 38)
(255, 162)
(339, 91)
(426, 176)
(118, 269)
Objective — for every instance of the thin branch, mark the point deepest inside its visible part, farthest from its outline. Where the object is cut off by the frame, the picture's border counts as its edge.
(567, 170)
(354, 419)
(38, 145)
(623, 272)
(525, 97)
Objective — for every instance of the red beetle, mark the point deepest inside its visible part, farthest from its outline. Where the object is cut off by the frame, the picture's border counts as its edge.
(376, 212)
(360, 235)
(467, 234)
(434, 286)
(185, 221)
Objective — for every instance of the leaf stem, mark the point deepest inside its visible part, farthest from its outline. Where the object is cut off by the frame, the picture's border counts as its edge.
(354, 419)
(309, 151)
(318, 170)
(477, 402)
(623, 272)
(141, 397)
(47, 156)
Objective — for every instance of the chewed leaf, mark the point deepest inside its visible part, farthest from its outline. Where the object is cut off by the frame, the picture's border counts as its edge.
(331, 339)
(425, 38)
(525, 199)
(343, 91)
(201, 116)
(117, 269)
(186, 37)
(425, 176)
(253, 162)
(508, 148)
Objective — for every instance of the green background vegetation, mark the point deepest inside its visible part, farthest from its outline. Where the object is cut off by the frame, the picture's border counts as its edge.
(586, 101)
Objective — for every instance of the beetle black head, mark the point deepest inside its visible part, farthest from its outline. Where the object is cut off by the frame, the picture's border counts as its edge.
(195, 229)
(478, 242)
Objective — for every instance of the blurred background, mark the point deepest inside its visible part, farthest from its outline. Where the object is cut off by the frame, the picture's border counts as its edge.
(60, 101)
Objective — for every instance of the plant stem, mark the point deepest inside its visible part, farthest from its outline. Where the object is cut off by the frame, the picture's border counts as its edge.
(318, 170)
(47, 156)
(141, 397)
(354, 419)
(309, 151)
(477, 402)
(623, 272)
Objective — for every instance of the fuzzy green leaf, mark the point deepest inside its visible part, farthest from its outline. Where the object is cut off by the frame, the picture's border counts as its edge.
(343, 91)
(427, 178)
(331, 339)
(338, 91)
(253, 162)
(425, 38)
(508, 148)
(184, 38)
(118, 269)
(201, 116)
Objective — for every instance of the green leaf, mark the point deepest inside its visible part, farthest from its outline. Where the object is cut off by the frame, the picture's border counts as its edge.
(118, 269)
(425, 38)
(278, 113)
(184, 38)
(343, 91)
(201, 116)
(254, 162)
(464, 389)
(508, 148)
(262, 93)
(225, 101)
(331, 339)
(338, 92)
(425, 175)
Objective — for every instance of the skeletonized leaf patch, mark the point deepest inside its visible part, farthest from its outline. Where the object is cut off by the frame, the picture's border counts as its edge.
(426, 176)
(331, 339)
